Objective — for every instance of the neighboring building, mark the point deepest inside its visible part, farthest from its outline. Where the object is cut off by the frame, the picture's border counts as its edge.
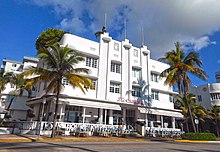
(18, 108)
(208, 94)
(127, 87)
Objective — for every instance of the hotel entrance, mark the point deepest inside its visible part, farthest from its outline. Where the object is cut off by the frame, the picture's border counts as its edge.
(73, 114)
(130, 117)
(117, 117)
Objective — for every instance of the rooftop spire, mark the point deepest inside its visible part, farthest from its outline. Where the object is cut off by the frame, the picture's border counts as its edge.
(142, 36)
(125, 28)
(105, 19)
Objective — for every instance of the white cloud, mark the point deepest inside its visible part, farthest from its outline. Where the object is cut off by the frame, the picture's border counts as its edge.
(75, 25)
(164, 22)
(201, 42)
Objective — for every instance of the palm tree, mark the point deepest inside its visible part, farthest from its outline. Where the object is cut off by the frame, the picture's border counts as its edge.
(180, 66)
(186, 101)
(4, 79)
(196, 109)
(199, 112)
(60, 63)
(17, 80)
(14, 79)
(177, 74)
(215, 115)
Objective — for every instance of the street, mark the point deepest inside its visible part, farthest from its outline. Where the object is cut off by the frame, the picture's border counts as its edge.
(109, 147)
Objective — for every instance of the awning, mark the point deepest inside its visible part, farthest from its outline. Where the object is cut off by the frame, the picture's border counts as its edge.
(91, 104)
(176, 114)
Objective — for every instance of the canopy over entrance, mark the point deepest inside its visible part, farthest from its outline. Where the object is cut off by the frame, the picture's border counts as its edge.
(162, 112)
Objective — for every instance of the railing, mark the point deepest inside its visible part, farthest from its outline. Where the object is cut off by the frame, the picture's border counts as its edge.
(72, 128)
(22, 125)
(65, 126)
(80, 127)
(163, 132)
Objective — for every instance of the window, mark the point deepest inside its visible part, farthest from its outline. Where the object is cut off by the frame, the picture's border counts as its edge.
(14, 65)
(136, 73)
(136, 91)
(215, 96)
(65, 81)
(114, 88)
(199, 98)
(93, 85)
(135, 53)
(115, 68)
(116, 46)
(91, 62)
(154, 77)
(155, 95)
(152, 117)
(171, 98)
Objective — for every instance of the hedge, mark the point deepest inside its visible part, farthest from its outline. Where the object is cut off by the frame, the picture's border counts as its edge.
(199, 136)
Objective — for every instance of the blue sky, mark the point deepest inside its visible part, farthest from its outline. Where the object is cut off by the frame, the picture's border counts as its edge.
(193, 22)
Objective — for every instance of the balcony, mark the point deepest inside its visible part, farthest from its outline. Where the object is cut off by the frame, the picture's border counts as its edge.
(215, 102)
(214, 88)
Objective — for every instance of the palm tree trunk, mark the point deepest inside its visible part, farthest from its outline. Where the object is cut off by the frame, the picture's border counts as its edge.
(9, 106)
(56, 110)
(189, 108)
(216, 125)
(187, 125)
(179, 88)
(191, 117)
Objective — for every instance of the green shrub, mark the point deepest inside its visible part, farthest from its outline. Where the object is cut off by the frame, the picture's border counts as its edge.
(199, 136)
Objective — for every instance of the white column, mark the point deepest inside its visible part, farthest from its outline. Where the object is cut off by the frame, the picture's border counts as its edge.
(100, 116)
(41, 115)
(84, 114)
(146, 120)
(36, 110)
(110, 117)
(161, 120)
(124, 119)
(105, 115)
(173, 122)
(124, 115)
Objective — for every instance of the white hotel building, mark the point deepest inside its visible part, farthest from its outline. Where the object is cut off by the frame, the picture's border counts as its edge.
(127, 87)
(18, 108)
(208, 94)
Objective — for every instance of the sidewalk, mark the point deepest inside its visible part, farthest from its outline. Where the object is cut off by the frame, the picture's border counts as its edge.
(34, 138)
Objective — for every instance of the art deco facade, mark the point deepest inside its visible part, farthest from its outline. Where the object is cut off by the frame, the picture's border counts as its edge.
(127, 87)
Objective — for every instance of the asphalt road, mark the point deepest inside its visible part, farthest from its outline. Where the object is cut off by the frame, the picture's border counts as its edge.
(110, 147)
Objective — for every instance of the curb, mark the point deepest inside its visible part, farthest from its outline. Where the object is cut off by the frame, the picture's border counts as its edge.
(195, 141)
(74, 140)
(100, 139)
